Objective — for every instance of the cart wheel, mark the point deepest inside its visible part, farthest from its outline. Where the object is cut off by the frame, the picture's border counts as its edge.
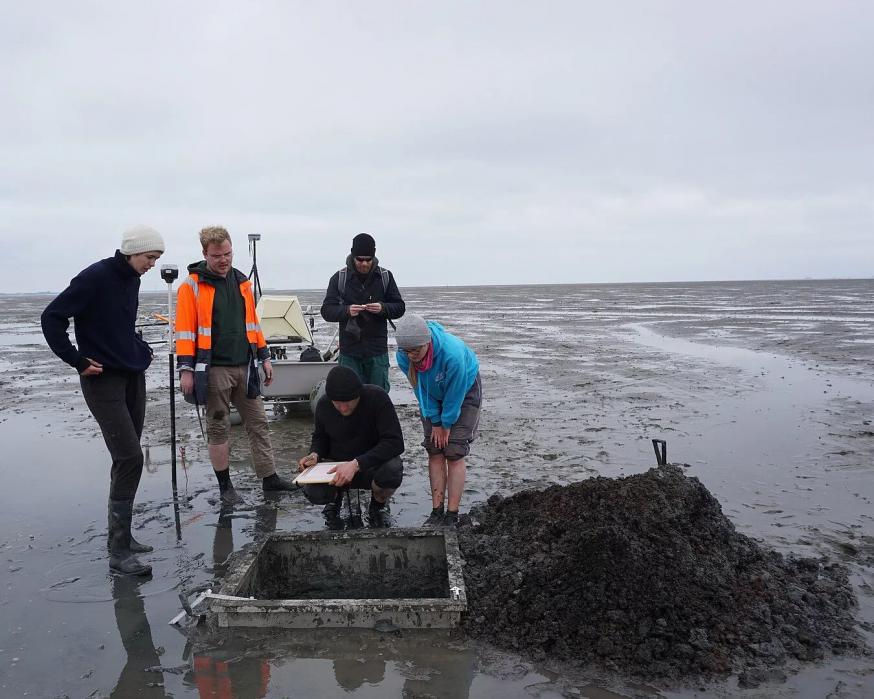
(316, 394)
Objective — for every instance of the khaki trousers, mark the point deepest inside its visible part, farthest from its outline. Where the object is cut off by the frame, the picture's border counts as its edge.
(227, 385)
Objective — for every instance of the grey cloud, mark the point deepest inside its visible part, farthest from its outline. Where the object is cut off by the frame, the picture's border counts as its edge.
(486, 142)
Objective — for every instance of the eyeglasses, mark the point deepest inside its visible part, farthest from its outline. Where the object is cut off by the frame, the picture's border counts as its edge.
(364, 259)
(413, 350)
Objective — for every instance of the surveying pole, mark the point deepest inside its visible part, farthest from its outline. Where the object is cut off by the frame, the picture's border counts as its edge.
(169, 273)
(253, 275)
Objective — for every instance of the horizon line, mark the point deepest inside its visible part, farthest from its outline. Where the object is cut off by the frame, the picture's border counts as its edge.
(479, 286)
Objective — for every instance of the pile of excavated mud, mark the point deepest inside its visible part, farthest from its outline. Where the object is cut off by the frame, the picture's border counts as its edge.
(646, 575)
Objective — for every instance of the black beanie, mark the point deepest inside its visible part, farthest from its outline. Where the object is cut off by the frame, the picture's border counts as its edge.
(363, 245)
(342, 384)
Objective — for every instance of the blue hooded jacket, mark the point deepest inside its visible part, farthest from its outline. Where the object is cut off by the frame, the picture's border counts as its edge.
(441, 389)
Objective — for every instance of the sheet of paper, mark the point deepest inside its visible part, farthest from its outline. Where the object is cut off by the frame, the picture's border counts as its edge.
(317, 474)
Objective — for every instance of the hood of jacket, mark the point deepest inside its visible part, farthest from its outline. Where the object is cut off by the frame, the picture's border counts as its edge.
(350, 265)
(438, 333)
(199, 268)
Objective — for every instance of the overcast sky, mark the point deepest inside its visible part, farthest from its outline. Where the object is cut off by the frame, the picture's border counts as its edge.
(478, 142)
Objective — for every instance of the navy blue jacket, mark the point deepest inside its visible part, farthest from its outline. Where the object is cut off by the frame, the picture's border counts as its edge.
(102, 300)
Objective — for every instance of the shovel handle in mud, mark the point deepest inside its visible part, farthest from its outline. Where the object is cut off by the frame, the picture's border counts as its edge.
(661, 451)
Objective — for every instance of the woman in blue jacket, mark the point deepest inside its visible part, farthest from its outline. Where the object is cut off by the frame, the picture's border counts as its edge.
(444, 374)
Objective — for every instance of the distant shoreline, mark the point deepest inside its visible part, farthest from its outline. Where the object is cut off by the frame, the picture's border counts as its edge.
(520, 284)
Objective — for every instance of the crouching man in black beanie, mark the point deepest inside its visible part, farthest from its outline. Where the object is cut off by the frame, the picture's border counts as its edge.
(357, 426)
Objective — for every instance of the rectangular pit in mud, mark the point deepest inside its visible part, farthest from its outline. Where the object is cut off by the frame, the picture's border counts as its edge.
(406, 578)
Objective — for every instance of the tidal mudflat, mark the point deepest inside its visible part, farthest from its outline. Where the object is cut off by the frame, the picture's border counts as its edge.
(764, 391)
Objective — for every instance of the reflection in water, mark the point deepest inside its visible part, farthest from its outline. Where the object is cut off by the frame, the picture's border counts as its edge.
(430, 668)
(224, 673)
(266, 514)
(216, 676)
(223, 543)
(351, 673)
(255, 662)
(136, 636)
(444, 673)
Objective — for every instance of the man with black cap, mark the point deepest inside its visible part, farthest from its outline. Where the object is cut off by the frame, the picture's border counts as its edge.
(357, 426)
(111, 360)
(363, 298)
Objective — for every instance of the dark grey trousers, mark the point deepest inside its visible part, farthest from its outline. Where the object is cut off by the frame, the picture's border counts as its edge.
(117, 400)
(387, 475)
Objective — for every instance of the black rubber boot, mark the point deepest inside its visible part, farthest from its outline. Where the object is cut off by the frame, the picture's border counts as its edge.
(230, 496)
(450, 519)
(333, 512)
(275, 482)
(121, 558)
(135, 546)
(435, 519)
(378, 514)
(332, 509)
(227, 493)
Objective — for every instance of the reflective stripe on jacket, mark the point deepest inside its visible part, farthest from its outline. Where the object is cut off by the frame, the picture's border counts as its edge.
(194, 300)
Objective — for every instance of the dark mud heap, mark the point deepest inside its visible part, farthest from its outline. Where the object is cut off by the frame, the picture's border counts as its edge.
(646, 575)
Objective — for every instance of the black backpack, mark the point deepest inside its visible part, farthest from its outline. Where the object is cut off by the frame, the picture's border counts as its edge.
(310, 354)
(341, 281)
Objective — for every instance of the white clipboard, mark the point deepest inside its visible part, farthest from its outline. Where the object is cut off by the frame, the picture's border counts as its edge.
(317, 474)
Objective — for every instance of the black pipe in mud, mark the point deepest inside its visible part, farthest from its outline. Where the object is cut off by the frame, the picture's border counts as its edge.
(646, 575)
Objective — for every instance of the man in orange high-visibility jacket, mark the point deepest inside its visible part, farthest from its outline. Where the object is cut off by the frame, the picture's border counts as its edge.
(219, 345)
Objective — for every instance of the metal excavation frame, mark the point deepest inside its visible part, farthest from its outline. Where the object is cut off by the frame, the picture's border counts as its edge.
(383, 578)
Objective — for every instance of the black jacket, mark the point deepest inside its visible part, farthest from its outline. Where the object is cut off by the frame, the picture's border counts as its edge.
(365, 335)
(103, 299)
(372, 434)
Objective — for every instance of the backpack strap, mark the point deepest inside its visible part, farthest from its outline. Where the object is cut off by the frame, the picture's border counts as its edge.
(341, 282)
(384, 274)
(341, 286)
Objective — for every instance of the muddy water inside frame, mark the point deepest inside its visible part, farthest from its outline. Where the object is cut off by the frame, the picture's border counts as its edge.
(763, 390)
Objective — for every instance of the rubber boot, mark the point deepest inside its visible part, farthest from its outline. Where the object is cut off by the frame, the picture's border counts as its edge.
(378, 514)
(435, 519)
(275, 482)
(229, 496)
(121, 558)
(135, 546)
(331, 512)
(450, 520)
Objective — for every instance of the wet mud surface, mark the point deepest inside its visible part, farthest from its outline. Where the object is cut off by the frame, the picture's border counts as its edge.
(764, 390)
